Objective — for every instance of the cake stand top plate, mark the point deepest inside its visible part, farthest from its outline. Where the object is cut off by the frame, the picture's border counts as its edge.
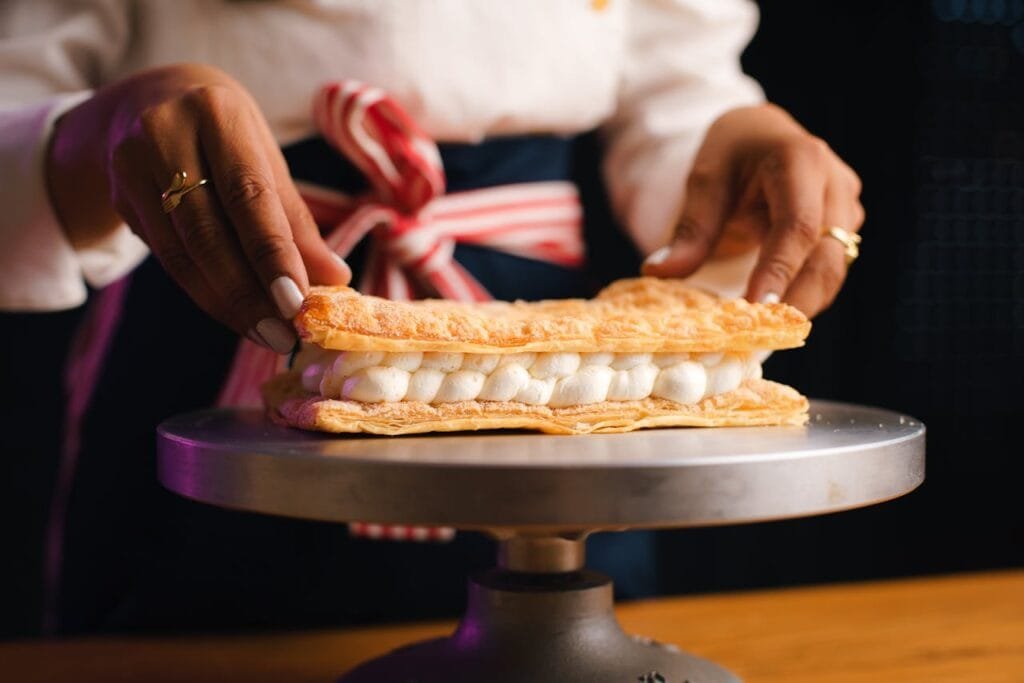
(516, 482)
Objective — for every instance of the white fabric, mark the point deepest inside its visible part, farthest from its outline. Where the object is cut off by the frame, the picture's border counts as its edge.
(653, 73)
(40, 270)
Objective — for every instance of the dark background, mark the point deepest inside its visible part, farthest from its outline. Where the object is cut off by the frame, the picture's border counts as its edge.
(924, 100)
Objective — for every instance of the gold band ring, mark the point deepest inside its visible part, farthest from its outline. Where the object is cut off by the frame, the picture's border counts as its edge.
(171, 197)
(849, 240)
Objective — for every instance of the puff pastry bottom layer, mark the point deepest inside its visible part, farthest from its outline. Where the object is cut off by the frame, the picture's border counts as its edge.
(755, 402)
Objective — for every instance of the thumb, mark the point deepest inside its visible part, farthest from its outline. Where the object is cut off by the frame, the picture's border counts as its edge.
(700, 224)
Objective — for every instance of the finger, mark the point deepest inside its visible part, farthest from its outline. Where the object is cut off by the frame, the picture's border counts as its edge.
(747, 223)
(163, 240)
(700, 224)
(323, 266)
(244, 184)
(136, 199)
(793, 181)
(742, 233)
(819, 281)
(212, 245)
(206, 249)
(815, 287)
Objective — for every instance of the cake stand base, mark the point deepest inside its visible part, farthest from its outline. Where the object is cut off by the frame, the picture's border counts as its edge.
(541, 617)
(542, 628)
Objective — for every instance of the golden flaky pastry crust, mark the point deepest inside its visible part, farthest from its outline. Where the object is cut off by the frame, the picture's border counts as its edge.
(755, 402)
(636, 315)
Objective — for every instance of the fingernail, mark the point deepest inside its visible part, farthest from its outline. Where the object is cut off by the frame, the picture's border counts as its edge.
(255, 338)
(344, 266)
(287, 296)
(770, 298)
(341, 262)
(277, 335)
(657, 257)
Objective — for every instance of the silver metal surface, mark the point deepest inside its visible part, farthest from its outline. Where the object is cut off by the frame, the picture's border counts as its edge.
(847, 456)
(542, 618)
(562, 634)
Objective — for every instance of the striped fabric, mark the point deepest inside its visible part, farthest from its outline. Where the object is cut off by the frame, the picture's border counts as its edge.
(411, 255)
(400, 532)
(413, 227)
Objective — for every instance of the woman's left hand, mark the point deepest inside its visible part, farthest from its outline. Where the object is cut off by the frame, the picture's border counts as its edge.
(761, 180)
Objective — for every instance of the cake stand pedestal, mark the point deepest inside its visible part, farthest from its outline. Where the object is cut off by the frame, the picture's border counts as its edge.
(540, 616)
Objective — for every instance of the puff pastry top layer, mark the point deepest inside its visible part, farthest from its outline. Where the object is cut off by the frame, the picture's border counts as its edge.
(635, 315)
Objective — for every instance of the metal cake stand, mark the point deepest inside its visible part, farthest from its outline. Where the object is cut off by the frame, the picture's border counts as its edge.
(540, 615)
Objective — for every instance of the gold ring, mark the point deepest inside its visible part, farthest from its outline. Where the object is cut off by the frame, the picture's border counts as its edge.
(171, 197)
(849, 240)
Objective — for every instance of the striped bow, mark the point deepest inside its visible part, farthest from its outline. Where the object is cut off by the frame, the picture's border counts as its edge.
(413, 227)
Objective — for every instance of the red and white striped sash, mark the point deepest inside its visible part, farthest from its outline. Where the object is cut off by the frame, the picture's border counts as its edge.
(413, 228)
(410, 256)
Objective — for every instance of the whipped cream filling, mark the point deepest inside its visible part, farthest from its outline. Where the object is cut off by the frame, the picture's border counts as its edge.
(552, 379)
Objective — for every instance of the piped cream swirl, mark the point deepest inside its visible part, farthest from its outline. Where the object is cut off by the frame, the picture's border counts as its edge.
(554, 379)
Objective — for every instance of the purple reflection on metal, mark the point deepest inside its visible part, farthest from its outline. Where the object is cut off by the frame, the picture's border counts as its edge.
(469, 633)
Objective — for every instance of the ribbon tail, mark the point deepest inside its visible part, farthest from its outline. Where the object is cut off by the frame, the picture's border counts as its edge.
(453, 281)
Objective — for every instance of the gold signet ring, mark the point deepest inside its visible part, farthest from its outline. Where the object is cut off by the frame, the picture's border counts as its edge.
(172, 196)
(849, 240)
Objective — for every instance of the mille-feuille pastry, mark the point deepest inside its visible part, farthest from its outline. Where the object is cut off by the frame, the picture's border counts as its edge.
(645, 352)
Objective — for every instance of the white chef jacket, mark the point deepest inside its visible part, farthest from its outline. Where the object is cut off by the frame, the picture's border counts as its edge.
(653, 74)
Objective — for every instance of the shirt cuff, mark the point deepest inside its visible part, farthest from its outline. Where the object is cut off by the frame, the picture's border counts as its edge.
(113, 258)
(41, 270)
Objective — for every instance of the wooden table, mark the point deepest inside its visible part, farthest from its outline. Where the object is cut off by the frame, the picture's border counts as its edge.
(967, 628)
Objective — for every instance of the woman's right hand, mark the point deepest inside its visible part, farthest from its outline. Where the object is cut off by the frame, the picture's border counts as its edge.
(244, 247)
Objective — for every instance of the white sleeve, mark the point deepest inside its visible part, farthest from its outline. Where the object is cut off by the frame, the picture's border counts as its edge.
(51, 54)
(682, 72)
